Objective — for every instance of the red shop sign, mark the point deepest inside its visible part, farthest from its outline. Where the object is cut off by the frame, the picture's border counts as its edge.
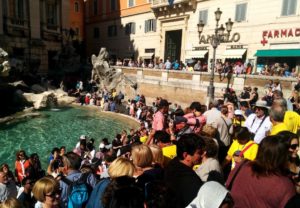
(281, 33)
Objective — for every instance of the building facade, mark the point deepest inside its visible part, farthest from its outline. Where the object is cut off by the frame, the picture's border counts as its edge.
(264, 31)
(77, 19)
(127, 28)
(32, 31)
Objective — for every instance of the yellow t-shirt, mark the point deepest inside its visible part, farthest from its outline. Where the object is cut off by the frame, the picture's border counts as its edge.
(249, 154)
(143, 139)
(278, 128)
(169, 151)
(292, 121)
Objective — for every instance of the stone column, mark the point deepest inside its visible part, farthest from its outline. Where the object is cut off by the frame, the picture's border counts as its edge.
(1, 18)
(164, 75)
(139, 74)
(35, 17)
(238, 83)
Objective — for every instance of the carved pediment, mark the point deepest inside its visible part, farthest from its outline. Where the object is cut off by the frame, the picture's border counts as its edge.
(163, 7)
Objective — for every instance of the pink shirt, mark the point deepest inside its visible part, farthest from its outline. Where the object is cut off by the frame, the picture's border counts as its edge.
(158, 121)
(192, 121)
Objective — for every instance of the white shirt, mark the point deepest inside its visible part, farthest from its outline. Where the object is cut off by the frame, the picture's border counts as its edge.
(253, 127)
(212, 116)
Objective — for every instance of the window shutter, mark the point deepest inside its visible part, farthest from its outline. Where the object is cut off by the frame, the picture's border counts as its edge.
(243, 12)
(146, 26)
(203, 16)
(237, 12)
(154, 25)
(292, 7)
(133, 28)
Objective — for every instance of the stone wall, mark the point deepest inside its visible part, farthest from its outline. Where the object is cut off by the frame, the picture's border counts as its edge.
(185, 87)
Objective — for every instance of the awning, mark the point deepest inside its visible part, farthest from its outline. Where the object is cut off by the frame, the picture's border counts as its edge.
(278, 53)
(196, 54)
(234, 53)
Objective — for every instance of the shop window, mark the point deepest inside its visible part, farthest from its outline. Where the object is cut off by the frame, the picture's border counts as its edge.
(113, 5)
(112, 31)
(96, 32)
(76, 7)
(130, 3)
(150, 25)
(288, 7)
(240, 12)
(203, 16)
(130, 28)
(95, 7)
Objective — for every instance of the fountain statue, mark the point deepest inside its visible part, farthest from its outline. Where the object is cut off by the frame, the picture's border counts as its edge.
(4, 64)
(102, 74)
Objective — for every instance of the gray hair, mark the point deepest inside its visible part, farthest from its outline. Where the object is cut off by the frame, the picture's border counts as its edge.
(281, 102)
(277, 115)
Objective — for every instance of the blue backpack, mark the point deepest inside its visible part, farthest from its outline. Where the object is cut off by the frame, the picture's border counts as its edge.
(78, 191)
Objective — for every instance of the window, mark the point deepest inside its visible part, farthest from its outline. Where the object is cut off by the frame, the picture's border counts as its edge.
(150, 25)
(203, 16)
(19, 9)
(112, 30)
(76, 7)
(288, 7)
(96, 32)
(95, 7)
(51, 13)
(240, 12)
(130, 28)
(113, 5)
(130, 3)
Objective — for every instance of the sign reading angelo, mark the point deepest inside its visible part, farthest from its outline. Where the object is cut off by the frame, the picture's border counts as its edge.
(279, 33)
(205, 39)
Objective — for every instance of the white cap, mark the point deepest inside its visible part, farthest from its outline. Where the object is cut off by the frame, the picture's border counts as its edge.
(82, 137)
(238, 113)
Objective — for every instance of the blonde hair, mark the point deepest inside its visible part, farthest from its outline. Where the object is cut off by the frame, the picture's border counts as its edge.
(44, 186)
(209, 130)
(121, 167)
(141, 156)
(157, 154)
(11, 203)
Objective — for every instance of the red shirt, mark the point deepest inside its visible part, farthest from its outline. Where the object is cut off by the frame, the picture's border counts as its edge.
(260, 192)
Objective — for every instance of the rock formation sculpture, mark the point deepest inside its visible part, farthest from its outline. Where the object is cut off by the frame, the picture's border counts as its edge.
(4, 64)
(102, 74)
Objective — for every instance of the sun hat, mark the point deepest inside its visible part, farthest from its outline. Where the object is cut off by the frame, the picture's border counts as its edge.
(262, 104)
(238, 112)
(211, 194)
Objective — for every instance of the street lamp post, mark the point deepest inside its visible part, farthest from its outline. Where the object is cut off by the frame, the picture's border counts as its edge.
(216, 39)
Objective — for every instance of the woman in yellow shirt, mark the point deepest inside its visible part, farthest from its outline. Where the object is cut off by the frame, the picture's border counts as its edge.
(242, 148)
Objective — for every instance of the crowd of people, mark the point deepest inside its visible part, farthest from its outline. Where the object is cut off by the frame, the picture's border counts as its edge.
(240, 151)
(233, 66)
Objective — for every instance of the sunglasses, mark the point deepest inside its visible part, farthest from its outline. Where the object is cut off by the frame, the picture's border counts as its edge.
(54, 194)
(294, 146)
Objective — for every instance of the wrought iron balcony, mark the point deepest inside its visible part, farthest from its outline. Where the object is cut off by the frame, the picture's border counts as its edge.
(16, 26)
(167, 5)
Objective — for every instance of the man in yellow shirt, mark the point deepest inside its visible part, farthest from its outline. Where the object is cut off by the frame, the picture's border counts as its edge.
(276, 118)
(291, 118)
(162, 139)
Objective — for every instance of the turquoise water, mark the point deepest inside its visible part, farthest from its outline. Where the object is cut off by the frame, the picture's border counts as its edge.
(55, 129)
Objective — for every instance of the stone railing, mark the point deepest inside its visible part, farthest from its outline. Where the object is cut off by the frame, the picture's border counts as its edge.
(200, 80)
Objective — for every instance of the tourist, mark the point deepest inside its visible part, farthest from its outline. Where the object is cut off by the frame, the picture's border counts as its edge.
(168, 64)
(10, 176)
(291, 118)
(142, 158)
(11, 203)
(47, 192)
(263, 181)
(197, 66)
(212, 195)
(195, 119)
(213, 113)
(162, 139)
(21, 165)
(242, 148)
(208, 160)
(72, 162)
(179, 174)
(259, 123)
(3, 187)
(119, 167)
(25, 197)
(35, 170)
(276, 118)
(158, 157)
(123, 192)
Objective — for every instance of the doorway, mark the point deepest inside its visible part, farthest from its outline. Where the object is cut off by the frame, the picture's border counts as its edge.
(173, 45)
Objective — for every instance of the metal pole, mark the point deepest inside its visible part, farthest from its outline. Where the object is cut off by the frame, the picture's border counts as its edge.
(211, 88)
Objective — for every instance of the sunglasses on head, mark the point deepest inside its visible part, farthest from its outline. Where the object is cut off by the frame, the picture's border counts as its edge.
(294, 146)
